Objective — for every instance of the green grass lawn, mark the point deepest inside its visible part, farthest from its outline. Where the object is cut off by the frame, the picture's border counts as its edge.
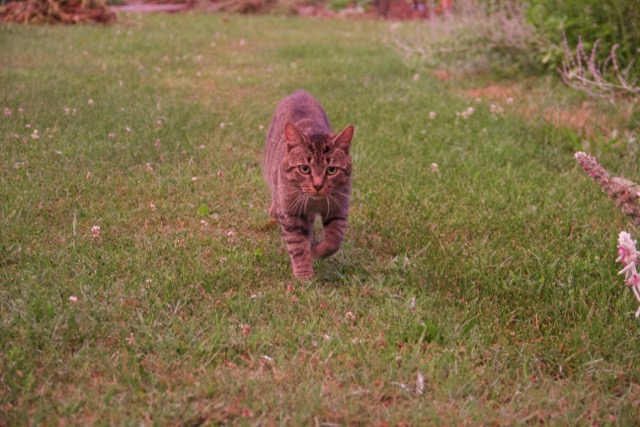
(493, 278)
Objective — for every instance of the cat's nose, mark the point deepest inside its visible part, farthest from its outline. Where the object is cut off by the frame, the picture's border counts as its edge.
(318, 187)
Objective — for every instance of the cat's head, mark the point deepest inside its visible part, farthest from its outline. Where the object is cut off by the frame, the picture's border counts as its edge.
(319, 165)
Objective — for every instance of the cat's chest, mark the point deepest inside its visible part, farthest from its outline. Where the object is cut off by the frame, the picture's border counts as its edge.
(307, 206)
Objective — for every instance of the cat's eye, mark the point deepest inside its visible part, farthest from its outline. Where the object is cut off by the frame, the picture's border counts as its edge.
(332, 170)
(305, 169)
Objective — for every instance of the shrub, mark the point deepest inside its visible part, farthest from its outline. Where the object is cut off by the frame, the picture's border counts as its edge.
(609, 21)
(493, 35)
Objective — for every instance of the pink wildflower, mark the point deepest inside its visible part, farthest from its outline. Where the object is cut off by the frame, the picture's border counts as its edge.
(629, 256)
(95, 231)
(593, 168)
(625, 193)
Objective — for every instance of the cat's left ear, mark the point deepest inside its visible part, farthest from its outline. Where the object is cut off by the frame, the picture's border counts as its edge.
(343, 139)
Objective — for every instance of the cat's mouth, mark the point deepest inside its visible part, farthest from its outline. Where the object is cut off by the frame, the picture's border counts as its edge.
(315, 195)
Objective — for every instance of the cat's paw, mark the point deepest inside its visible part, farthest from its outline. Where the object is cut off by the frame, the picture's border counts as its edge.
(323, 250)
(303, 274)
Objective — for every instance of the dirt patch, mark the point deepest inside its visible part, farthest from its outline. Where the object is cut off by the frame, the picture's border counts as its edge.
(493, 91)
(582, 117)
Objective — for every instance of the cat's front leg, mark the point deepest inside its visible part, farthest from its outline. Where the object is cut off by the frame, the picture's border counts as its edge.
(296, 232)
(334, 228)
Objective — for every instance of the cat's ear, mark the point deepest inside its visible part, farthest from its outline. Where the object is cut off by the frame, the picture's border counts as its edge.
(343, 139)
(292, 136)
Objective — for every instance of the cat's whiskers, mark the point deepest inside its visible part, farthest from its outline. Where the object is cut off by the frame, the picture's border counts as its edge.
(348, 196)
(331, 200)
(295, 205)
(306, 201)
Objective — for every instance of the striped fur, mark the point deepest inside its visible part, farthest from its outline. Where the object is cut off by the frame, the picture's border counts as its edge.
(308, 170)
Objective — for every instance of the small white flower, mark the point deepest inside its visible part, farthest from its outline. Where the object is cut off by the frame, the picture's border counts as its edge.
(420, 383)
(466, 113)
(496, 109)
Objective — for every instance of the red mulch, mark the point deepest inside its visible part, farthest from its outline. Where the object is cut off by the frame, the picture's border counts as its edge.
(54, 12)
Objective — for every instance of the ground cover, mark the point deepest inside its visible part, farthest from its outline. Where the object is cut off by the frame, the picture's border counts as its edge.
(140, 284)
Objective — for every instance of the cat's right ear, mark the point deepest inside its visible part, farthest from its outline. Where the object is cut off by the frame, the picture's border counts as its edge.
(292, 136)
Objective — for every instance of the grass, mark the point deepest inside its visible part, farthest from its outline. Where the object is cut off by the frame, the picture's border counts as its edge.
(494, 277)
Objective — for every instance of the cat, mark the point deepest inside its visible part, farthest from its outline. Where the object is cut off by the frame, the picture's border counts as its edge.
(308, 170)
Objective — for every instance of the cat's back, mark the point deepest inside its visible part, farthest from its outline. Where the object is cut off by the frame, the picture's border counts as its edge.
(302, 109)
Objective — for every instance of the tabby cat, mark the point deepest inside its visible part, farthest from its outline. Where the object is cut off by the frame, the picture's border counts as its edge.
(308, 170)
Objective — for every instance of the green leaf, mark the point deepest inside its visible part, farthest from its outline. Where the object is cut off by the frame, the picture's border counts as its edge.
(203, 210)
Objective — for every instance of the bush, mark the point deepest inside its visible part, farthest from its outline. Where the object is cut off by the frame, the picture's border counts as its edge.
(610, 21)
(475, 36)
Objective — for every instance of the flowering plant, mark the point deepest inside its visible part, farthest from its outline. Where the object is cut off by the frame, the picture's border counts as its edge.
(629, 257)
(626, 195)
